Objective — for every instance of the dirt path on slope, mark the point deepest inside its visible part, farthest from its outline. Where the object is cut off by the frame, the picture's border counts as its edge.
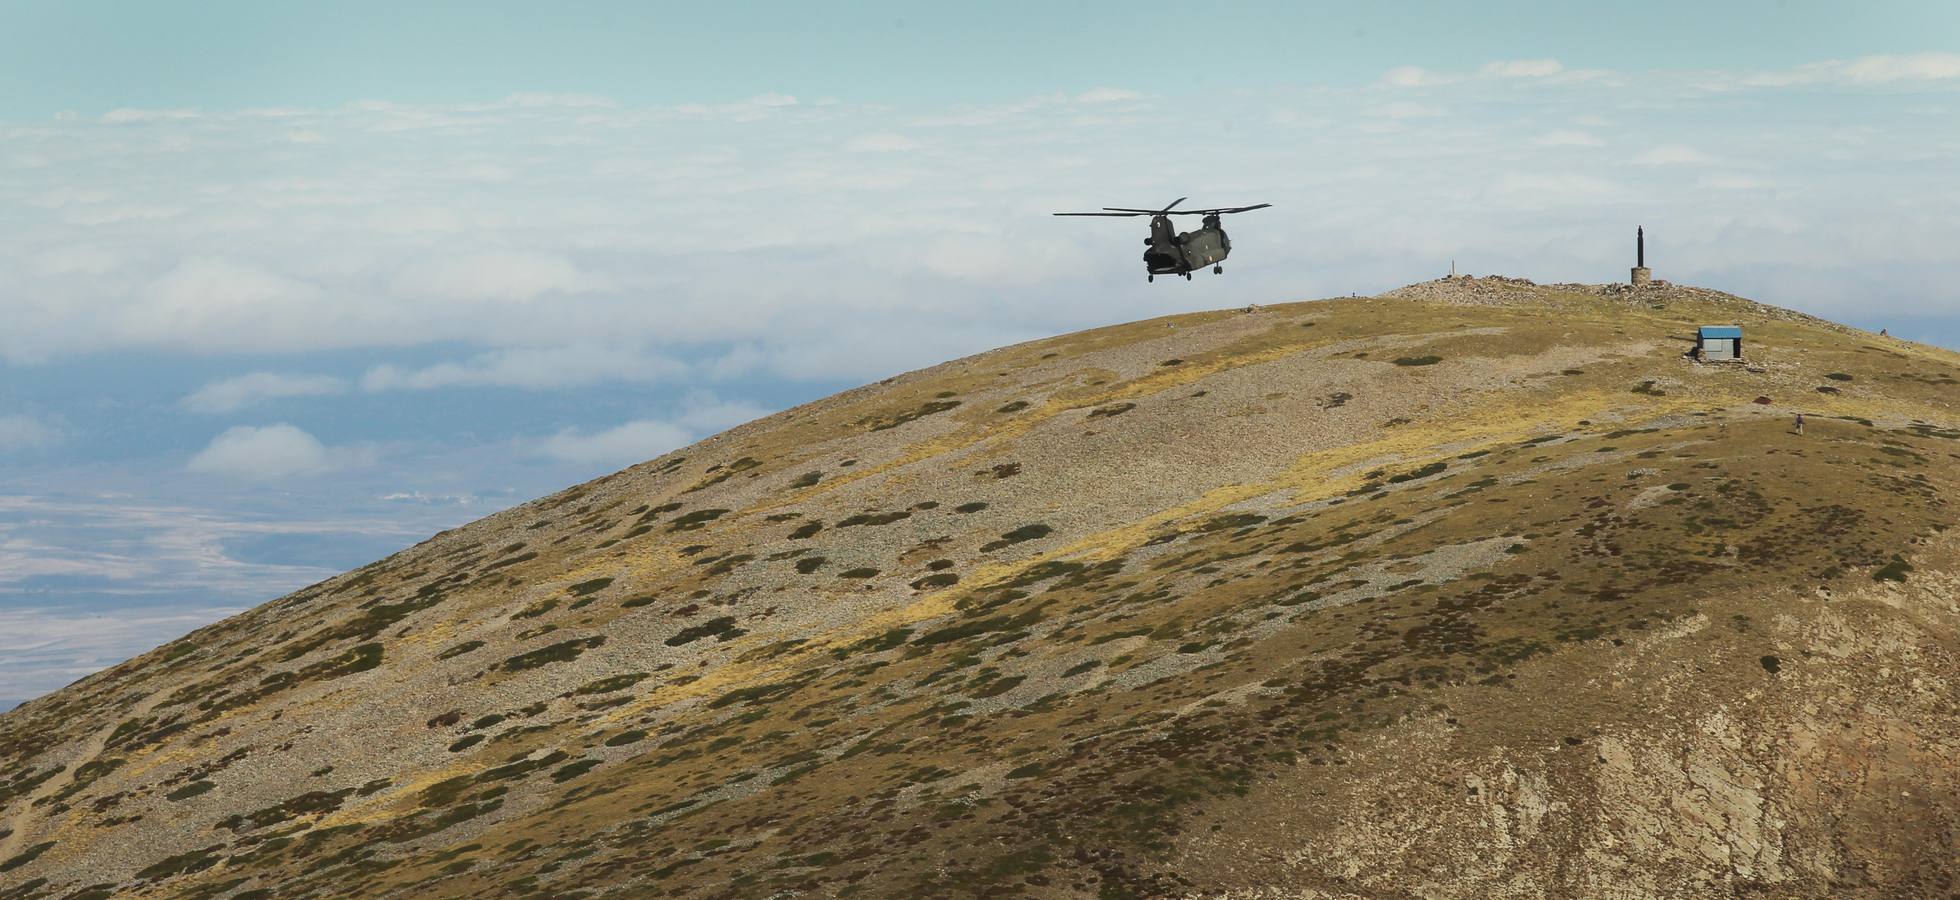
(24, 819)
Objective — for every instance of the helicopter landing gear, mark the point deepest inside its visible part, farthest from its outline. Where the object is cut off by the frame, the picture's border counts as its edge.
(1217, 270)
(1150, 278)
(1187, 276)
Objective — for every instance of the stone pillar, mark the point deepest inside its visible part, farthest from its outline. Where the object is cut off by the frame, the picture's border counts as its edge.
(1641, 276)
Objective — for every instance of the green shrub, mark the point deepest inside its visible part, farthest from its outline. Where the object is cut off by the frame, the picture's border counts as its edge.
(623, 738)
(722, 628)
(1023, 533)
(188, 791)
(588, 587)
(562, 651)
(695, 519)
(610, 684)
(536, 609)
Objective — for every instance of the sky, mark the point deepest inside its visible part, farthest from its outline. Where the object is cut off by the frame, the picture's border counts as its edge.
(287, 287)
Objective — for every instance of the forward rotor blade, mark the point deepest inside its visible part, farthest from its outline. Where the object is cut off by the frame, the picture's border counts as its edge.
(1168, 211)
(1207, 212)
(1152, 212)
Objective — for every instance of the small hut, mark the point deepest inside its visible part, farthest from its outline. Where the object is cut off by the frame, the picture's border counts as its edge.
(1714, 343)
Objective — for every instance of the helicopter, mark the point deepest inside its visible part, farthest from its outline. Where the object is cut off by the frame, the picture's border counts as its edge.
(1171, 253)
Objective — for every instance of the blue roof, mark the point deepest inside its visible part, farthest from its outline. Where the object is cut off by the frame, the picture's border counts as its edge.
(1721, 331)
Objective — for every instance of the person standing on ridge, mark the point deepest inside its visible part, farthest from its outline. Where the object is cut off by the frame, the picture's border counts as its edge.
(1800, 423)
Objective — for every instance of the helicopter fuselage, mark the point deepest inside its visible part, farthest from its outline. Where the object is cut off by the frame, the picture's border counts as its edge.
(1172, 253)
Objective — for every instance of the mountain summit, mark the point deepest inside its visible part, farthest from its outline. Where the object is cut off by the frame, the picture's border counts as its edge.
(1478, 588)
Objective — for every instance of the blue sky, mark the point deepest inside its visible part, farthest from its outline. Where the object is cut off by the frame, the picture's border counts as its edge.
(94, 56)
(285, 287)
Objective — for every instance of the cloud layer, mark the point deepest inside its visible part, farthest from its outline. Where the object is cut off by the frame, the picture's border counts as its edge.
(565, 240)
(89, 579)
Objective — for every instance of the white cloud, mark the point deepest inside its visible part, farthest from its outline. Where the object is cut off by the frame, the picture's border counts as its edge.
(19, 431)
(1568, 138)
(233, 394)
(272, 453)
(631, 442)
(417, 220)
(574, 101)
(118, 214)
(420, 498)
(1522, 68)
(534, 368)
(205, 293)
(124, 116)
(1673, 155)
(740, 360)
(481, 170)
(701, 414)
(80, 260)
(998, 114)
(494, 276)
(704, 413)
(1863, 71)
(1550, 189)
(1107, 95)
(1911, 67)
(1416, 76)
(885, 142)
(752, 109)
(1406, 110)
(1732, 182)
(864, 351)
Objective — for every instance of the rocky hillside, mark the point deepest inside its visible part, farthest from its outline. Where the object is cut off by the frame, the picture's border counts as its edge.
(1476, 589)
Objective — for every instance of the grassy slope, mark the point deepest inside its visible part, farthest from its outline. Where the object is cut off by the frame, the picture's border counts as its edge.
(1272, 549)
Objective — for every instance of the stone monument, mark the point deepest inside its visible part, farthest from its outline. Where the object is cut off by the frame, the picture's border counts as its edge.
(1641, 274)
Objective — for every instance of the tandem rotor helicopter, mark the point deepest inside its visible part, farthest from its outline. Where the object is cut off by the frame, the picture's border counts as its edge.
(1171, 253)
